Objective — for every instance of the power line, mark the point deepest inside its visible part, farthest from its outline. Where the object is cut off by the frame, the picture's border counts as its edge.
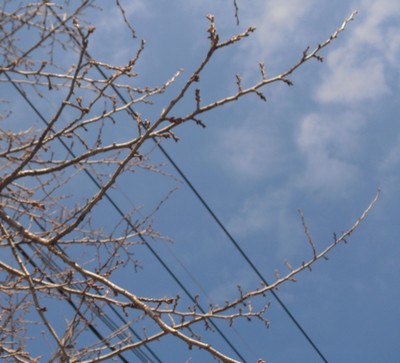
(127, 220)
(241, 252)
(207, 207)
(109, 323)
(111, 201)
(92, 328)
(221, 225)
(203, 202)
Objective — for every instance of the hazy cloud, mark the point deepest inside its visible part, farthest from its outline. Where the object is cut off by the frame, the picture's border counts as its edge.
(351, 80)
(261, 212)
(279, 30)
(329, 145)
(388, 169)
(252, 150)
(278, 24)
(111, 31)
(356, 71)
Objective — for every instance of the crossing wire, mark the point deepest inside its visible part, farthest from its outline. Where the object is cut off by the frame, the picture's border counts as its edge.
(94, 330)
(221, 225)
(224, 229)
(212, 214)
(243, 254)
(128, 221)
(207, 207)
(106, 321)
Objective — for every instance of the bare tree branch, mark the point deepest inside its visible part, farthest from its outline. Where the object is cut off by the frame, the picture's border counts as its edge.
(62, 257)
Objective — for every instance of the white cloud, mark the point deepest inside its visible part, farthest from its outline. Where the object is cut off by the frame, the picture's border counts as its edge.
(327, 174)
(279, 23)
(260, 212)
(250, 151)
(112, 38)
(391, 162)
(350, 79)
(268, 220)
(279, 27)
(357, 70)
(389, 167)
(111, 17)
(336, 134)
(227, 289)
(329, 145)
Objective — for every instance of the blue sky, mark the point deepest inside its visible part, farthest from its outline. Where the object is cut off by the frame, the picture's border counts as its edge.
(324, 145)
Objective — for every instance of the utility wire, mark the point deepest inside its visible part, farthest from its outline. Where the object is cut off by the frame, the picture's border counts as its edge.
(170, 272)
(221, 225)
(218, 221)
(241, 252)
(213, 215)
(70, 302)
(53, 266)
(127, 220)
(105, 318)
